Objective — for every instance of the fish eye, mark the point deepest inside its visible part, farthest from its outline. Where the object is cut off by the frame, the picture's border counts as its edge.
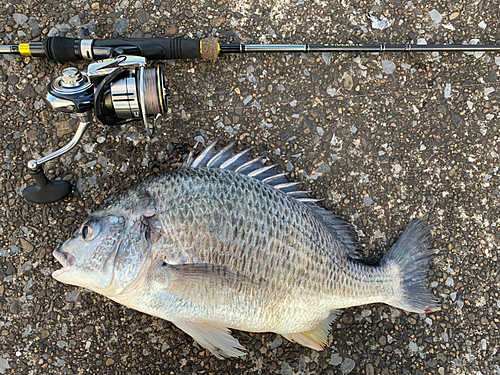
(90, 230)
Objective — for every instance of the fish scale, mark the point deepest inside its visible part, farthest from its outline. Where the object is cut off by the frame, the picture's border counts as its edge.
(221, 243)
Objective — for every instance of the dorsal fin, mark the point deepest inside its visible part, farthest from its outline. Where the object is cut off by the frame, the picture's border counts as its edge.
(255, 168)
(245, 165)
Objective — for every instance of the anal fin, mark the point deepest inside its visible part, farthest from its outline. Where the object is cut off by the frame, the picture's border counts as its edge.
(316, 338)
(215, 338)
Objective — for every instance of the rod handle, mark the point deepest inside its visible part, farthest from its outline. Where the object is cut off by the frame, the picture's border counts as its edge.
(61, 49)
(166, 48)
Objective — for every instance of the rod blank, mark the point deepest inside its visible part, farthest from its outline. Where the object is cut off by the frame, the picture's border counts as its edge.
(61, 49)
(271, 48)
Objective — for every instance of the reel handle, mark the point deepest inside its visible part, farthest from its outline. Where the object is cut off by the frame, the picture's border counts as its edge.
(50, 191)
(46, 191)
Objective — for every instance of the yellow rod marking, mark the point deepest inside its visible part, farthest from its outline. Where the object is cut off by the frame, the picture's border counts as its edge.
(24, 49)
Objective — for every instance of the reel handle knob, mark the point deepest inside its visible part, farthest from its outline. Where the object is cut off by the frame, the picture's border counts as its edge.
(46, 191)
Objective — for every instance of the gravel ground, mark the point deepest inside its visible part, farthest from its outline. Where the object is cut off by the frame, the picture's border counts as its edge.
(381, 138)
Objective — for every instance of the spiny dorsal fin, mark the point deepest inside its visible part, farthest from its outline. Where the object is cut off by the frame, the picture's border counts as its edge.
(255, 168)
(245, 165)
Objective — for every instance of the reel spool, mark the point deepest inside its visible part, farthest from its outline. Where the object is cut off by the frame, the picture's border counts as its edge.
(131, 96)
(118, 90)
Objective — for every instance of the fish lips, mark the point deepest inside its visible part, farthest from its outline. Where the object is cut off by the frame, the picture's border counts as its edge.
(66, 259)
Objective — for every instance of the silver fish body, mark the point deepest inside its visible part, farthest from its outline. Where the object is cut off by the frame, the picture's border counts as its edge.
(227, 243)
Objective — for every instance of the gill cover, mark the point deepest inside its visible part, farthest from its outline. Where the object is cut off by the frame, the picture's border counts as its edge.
(92, 250)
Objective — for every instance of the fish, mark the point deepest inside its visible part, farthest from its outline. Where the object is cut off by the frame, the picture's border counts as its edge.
(227, 242)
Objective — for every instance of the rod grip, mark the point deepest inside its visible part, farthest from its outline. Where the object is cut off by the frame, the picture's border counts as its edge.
(61, 49)
(165, 48)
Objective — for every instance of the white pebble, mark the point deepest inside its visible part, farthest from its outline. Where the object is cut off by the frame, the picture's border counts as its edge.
(347, 366)
(388, 66)
(20, 18)
(381, 24)
(88, 148)
(483, 344)
(447, 90)
(247, 99)
(413, 347)
(335, 360)
(326, 58)
(435, 16)
(488, 90)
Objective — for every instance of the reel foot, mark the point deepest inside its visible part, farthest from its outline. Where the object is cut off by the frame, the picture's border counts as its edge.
(46, 191)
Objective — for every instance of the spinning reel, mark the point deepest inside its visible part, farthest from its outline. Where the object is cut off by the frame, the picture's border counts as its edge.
(116, 90)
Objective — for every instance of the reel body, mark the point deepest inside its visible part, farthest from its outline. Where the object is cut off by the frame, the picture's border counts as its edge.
(117, 90)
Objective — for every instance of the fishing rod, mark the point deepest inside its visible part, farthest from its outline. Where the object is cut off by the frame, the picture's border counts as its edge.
(62, 49)
(117, 87)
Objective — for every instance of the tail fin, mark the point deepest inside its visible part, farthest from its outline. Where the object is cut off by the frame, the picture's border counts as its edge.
(411, 255)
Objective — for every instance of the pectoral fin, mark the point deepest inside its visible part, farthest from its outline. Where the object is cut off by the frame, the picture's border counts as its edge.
(206, 273)
(214, 338)
(316, 338)
(202, 275)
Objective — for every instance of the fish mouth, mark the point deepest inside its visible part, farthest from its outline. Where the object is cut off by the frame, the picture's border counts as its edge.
(66, 259)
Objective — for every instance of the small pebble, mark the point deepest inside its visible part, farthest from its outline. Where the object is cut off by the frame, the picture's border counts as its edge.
(216, 22)
(121, 25)
(388, 67)
(19, 18)
(335, 360)
(88, 329)
(75, 21)
(381, 24)
(347, 366)
(435, 16)
(348, 82)
(171, 31)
